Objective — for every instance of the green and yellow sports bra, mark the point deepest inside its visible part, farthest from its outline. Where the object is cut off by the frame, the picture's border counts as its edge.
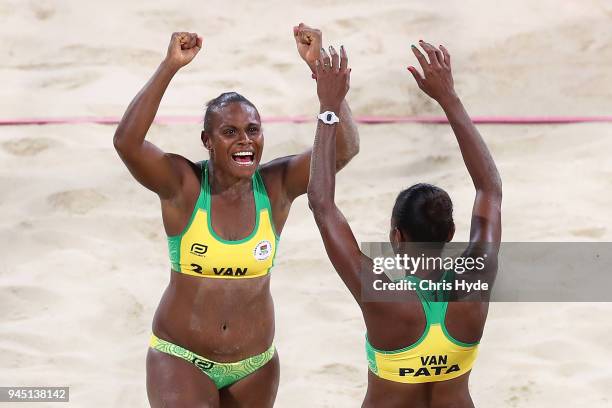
(199, 251)
(436, 356)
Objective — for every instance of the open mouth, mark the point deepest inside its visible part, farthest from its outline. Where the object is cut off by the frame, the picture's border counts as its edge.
(244, 158)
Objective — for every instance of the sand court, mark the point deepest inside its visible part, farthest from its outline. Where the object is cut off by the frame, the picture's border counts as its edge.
(84, 252)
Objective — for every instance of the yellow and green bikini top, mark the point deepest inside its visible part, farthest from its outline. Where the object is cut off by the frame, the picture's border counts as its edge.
(436, 356)
(199, 251)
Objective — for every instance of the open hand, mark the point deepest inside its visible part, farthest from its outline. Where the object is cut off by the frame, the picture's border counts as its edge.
(308, 41)
(183, 48)
(437, 81)
(333, 78)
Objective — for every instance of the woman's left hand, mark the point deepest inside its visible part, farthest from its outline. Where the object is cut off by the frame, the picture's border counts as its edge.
(438, 80)
(333, 78)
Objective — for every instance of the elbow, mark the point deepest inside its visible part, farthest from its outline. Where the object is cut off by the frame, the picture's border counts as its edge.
(341, 162)
(121, 144)
(317, 202)
(497, 186)
(350, 151)
(353, 149)
(118, 141)
(493, 189)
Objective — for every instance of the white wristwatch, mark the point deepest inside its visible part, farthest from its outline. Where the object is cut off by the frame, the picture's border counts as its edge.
(328, 117)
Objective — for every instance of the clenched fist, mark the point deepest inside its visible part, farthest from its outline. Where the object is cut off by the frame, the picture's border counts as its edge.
(182, 49)
(308, 41)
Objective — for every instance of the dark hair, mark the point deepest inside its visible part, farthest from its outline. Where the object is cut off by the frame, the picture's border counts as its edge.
(221, 101)
(424, 212)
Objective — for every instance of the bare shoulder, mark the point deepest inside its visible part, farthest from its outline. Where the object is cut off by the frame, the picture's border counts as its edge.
(184, 167)
(273, 174)
(276, 167)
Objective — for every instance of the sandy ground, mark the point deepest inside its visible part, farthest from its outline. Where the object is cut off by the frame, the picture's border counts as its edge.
(83, 246)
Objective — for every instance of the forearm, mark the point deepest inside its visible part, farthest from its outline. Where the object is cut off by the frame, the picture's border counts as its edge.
(476, 155)
(142, 110)
(340, 243)
(322, 181)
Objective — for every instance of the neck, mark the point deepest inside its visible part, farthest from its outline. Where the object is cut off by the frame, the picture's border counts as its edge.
(427, 274)
(227, 185)
(425, 260)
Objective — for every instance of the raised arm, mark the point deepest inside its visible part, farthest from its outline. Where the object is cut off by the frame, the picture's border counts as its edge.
(296, 169)
(154, 169)
(437, 82)
(309, 44)
(332, 85)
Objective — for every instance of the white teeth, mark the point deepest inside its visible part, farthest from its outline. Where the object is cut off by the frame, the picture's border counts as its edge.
(250, 155)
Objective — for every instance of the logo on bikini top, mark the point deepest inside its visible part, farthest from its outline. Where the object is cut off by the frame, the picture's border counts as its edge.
(199, 249)
(262, 250)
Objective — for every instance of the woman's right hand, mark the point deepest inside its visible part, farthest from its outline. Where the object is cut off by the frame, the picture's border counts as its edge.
(333, 78)
(308, 41)
(182, 49)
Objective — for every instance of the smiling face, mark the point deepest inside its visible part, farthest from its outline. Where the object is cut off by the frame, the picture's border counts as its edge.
(235, 139)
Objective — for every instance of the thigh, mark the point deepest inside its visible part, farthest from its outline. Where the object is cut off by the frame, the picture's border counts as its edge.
(175, 383)
(258, 389)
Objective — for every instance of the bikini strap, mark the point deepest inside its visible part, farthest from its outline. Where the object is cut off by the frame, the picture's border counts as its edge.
(259, 189)
(204, 200)
(262, 200)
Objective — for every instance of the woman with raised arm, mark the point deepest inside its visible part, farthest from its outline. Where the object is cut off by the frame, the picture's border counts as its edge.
(420, 351)
(213, 329)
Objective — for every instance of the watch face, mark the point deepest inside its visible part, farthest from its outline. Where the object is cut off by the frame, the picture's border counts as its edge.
(328, 117)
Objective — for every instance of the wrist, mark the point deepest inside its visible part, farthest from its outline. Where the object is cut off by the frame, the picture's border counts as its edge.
(312, 66)
(324, 107)
(169, 66)
(449, 101)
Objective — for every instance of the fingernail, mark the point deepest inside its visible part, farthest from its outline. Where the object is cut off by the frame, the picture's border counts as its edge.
(421, 41)
(413, 46)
